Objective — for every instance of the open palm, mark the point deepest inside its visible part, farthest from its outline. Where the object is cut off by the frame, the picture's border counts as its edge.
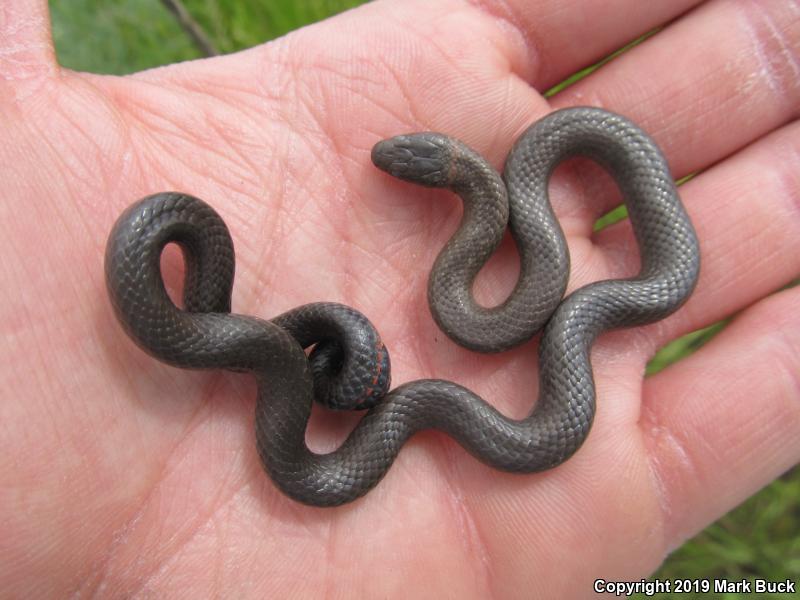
(122, 476)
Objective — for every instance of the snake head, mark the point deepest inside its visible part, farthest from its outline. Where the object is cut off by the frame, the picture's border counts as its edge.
(421, 158)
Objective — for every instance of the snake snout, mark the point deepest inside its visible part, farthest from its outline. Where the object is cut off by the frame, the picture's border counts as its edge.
(422, 158)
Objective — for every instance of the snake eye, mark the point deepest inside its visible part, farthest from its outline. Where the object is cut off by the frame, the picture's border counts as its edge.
(422, 158)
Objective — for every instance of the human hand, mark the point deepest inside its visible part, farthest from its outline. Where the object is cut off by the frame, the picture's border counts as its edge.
(124, 476)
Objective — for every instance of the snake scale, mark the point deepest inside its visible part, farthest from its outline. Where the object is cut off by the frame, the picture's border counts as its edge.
(348, 366)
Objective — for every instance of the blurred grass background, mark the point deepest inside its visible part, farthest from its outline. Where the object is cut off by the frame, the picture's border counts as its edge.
(758, 539)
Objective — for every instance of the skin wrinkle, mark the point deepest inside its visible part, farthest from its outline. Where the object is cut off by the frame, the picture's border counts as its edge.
(631, 347)
(114, 354)
(472, 539)
(74, 390)
(407, 103)
(345, 80)
(144, 113)
(94, 577)
(411, 98)
(453, 55)
(119, 536)
(387, 251)
(421, 349)
(278, 80)
(658, 438)
(376, 105)
(578, 94)
(129, 162)
(412, 117)
(788, 362)
(251, 206)
(527, 522)
(331, 543)
(497, 145)
(27, 308)
(344, 74)
(88, 162)
(575, 95)
(414, 467)
(667, 484)
(338, 173)
(89, 274)
(232, 170)
(763, 31)
(789, 177)
(255, 470)
(183, 134)
(215, 89)
(58, 214)
(297, 214)
(31, 60)
(261, 297)
(189, 168)
(529, 68)
(87, 584)
(316, 525)
(158, 171)
(61, 164)
(419, 119)
(230, 558)
(181, 542)
(359, 280)
(265, 243)
(222, 543)
(194, 421)
(428, 228)
(149, 136)
(259, 178)
(345, 229)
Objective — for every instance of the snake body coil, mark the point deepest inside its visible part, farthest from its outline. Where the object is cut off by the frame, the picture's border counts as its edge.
(349, 367)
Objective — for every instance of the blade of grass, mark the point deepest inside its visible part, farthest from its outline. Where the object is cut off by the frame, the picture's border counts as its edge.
(191, 27)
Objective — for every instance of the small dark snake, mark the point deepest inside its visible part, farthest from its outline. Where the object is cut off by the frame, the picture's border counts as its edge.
(349, 366)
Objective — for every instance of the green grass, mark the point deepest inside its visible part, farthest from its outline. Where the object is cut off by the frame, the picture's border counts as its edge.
(120, 37)
(238, 25)
(760, 538)
(117, 37)
(757, 540)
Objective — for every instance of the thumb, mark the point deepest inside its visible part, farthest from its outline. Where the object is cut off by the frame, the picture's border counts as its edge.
(26, 46)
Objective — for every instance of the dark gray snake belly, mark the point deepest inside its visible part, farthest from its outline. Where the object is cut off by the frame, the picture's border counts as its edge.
(349, 366)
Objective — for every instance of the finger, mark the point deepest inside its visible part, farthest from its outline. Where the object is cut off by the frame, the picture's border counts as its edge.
(725, 421)
(564, 39)
(746, 214)
(26, 48)
(706, 86)
(453, 71)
